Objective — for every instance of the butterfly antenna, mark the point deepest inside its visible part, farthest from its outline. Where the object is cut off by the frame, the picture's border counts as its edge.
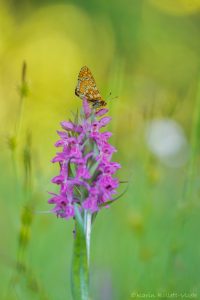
(108, 97)
(116, 97)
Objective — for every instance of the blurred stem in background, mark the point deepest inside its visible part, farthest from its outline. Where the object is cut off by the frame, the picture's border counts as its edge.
(22, 273)
(27, 211)
(195, 147)
(23, 93)
(13, 141)
(188, 199)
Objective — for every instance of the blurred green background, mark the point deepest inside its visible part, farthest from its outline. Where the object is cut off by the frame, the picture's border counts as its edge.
(146, 52)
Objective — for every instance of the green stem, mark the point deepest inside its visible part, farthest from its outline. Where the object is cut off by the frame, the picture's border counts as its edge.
(80, 259)
(88, 223)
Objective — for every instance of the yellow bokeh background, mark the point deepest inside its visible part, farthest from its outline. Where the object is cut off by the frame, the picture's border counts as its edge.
(146, 54)
(177, 7)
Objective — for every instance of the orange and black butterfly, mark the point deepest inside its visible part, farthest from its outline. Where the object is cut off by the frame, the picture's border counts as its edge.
(86, 88)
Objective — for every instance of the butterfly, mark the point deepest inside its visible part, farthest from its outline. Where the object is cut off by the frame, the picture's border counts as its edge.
(86, 88)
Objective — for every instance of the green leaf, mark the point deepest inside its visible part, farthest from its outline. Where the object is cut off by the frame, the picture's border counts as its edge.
(80, 272)
(78, 217)
(72, 169)
(95, 149)
(93, 168)
(114, 199)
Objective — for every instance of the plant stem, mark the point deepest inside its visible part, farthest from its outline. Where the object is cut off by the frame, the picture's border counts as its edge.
(88, 222)
(80, 259)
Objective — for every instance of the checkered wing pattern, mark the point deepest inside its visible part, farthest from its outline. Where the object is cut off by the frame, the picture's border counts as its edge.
(86, 88)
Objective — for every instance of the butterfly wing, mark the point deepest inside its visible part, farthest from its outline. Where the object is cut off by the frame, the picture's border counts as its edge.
(86, 87)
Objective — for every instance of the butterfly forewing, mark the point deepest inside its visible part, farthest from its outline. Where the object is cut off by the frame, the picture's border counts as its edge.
(86, 88)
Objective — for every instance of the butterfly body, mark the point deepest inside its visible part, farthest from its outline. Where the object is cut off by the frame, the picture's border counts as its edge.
(86, 88)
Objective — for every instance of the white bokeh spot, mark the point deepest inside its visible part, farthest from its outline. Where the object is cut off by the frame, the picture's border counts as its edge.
(166, 139)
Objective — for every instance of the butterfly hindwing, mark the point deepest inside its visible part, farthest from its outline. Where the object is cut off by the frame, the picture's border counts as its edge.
(86, 88)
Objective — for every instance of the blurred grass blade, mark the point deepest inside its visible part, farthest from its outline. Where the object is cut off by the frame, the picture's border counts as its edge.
(195, 148)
